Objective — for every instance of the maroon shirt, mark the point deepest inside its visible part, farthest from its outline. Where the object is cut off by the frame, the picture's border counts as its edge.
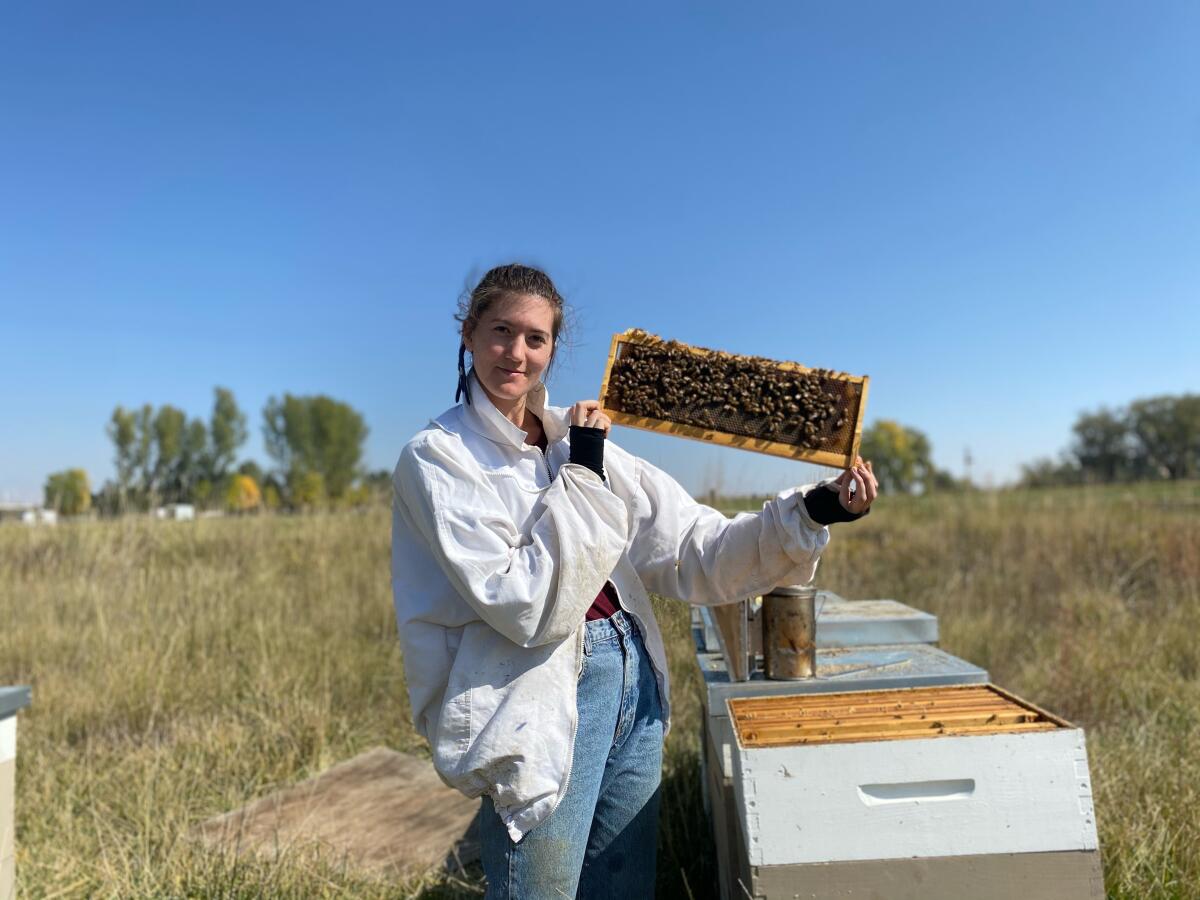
(605, 604)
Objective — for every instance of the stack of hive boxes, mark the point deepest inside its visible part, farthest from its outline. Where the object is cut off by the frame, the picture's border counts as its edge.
(898, 772)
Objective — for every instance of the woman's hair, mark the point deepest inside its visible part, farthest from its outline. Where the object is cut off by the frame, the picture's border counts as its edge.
(511, 280)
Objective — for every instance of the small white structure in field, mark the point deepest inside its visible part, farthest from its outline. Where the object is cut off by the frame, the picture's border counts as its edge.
(12, 699)
(179, 512)
(40, 517)
(27, 514)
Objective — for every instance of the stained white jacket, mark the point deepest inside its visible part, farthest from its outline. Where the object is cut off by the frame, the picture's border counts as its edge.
(498, 550)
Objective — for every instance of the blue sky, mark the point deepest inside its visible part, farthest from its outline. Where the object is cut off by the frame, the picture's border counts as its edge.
(993, 210)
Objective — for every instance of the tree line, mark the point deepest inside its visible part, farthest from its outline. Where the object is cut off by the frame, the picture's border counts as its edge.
(1155, 438)
(162, 456)
(315, 442)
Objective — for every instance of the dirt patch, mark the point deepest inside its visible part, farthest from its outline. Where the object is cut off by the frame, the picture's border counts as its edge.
(382, 811)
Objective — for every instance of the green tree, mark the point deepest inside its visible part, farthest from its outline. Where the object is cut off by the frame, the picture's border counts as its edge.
(1046, 472)
(68, 492)
(161, 455)
(109, 500)
(143, 421)
(122, 430)
(901, 457)
(202, 492)
(270, 496)
(307, 490)
(170, 432)
(133, 437)
(193, 459)
(1166, 432)
(1102, 446)
(315, 434)
(227, 432)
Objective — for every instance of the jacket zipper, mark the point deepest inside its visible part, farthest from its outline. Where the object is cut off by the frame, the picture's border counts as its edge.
(578, 668)
(546, 460)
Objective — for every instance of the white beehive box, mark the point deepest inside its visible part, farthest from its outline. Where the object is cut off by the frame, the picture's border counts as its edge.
(12, 699)
(857, 623)
(904, 660)
(840, 623)
(945, 787)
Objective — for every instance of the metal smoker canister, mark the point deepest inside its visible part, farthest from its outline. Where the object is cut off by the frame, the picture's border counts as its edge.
(789, 617)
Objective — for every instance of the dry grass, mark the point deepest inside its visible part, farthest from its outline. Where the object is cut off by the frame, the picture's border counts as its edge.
(182, 668)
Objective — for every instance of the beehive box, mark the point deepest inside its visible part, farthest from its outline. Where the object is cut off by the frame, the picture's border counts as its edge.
(12, 699)
(779, 408)
(840, 669)
(840, 623)
(857, 623)
(960, 791)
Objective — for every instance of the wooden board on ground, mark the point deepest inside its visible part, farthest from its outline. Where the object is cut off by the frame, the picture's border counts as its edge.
(382, 812)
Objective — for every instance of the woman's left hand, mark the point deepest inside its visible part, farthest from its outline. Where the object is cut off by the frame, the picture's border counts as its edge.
(866, 487)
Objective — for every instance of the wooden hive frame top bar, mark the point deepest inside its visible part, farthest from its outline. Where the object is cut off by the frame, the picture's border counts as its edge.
(903, 714)
(843, 458)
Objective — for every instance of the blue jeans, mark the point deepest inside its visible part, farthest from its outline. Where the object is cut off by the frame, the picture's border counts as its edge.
(601, 840)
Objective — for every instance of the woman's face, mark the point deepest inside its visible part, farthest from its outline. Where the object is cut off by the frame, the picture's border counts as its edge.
(511, 345)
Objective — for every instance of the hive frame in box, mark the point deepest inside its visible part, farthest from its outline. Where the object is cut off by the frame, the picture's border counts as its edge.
(713, 436)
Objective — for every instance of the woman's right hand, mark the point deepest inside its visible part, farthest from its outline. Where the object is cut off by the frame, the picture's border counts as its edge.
(587, 414)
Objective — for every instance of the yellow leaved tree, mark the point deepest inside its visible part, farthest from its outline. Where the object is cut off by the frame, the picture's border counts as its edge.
(243, 494)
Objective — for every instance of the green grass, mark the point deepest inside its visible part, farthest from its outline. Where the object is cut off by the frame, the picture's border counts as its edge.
(180, 669)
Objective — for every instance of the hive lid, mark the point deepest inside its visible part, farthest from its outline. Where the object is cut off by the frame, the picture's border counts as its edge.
(842, 669)
(855, 623)
(840, 623)
(13, 699)
(910, 713)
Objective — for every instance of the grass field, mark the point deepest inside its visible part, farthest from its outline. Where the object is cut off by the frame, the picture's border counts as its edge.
(182, 668)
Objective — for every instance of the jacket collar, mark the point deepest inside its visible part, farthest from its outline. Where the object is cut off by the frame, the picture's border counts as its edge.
(482, 416)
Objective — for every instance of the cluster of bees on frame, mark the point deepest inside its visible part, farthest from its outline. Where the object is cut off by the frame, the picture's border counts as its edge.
(742, 395)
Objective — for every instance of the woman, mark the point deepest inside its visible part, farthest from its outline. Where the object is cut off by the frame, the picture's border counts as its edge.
(523, 549)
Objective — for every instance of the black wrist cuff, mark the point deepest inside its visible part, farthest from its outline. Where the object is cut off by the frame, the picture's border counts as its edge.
(824, 508)
(587, 448)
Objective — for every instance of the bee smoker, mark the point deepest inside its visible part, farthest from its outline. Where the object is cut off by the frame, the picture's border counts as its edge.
(789, 633)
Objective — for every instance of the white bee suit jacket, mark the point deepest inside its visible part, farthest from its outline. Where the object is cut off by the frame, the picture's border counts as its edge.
(498, 550)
